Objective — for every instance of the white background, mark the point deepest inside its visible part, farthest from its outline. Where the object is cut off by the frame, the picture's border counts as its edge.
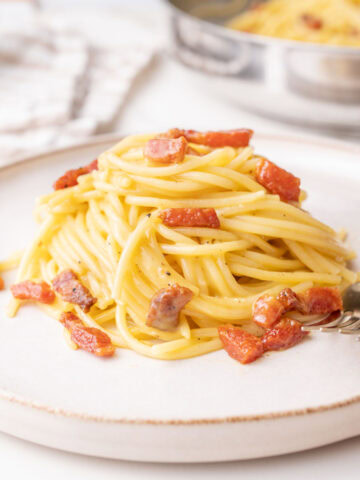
(168, 95)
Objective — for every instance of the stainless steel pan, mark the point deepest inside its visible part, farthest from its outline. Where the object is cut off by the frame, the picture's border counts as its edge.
(314, 85)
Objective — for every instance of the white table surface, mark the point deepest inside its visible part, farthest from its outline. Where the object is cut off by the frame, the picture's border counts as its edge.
(170, 95)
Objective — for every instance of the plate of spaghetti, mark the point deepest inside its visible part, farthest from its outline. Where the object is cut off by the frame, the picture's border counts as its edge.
(158, 303)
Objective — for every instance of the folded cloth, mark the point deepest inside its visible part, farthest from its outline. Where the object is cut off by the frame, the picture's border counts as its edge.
(58, 84)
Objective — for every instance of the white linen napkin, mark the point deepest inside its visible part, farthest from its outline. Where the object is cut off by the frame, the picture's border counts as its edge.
(64, 75)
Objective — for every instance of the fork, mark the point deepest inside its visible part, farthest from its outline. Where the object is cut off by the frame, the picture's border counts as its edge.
(347, 322)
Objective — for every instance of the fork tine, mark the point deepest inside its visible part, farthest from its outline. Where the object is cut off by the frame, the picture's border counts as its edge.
(353, 328)
(342, 321)
(315, 321)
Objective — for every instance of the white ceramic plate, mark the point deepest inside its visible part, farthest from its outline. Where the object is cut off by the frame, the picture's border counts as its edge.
(209, 408)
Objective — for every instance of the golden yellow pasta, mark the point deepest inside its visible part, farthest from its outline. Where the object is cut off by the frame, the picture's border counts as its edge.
(108, 230)
(333, 22)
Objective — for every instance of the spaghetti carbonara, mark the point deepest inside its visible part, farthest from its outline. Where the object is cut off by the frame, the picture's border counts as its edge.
(335, 22)
(168, 237)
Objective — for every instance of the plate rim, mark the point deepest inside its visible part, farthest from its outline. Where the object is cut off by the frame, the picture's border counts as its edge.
(16, 399)
(55, 411)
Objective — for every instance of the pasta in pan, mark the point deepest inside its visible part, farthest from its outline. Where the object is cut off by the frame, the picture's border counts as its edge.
(334, 22)
(167, 238)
